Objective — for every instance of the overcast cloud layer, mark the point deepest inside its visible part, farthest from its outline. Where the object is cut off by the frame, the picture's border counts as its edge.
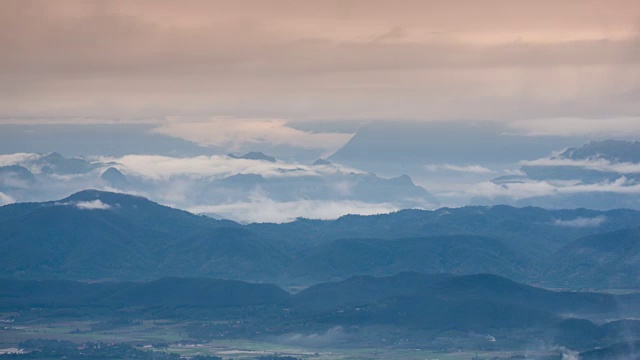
(335, 60)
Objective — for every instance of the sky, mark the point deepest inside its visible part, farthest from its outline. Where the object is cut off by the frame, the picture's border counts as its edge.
(302, 80)
(287, 61)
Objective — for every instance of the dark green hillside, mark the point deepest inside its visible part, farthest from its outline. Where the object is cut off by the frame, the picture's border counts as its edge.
(610, 260)
(194, 292)
(98, 235)
(364, 289)
(533, 230)
(497, 288)
(431, 312)
(468, 303)
(94, 235)
(621, 351)
(228, 253)
(461, 254)
(54, 293)
(161, 293)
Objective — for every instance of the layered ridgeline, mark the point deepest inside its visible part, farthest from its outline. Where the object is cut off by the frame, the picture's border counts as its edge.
(94, 235)
(410, 305)
(608, 258)
(597, 175)
(244, 188)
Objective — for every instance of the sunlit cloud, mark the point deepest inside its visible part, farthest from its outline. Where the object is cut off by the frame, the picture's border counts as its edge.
(92, 205)
(262, 209)
(532, 188)
(165, 167)
(233, 134)
(475, 169)
(515, 191)
(579, 126)
(582, 222)
(17, 158)
(597, 164)
(6, 199)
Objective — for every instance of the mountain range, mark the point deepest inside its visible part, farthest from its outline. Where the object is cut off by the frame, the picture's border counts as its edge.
(95, 235)
(221, 186)
(256, 187)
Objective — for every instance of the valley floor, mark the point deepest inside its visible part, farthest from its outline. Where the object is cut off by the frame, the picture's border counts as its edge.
(170, 336)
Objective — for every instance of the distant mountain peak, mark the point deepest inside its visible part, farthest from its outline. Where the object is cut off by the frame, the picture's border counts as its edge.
(56, 163)
(106, 197)
(321, 162)
(15, 176)
(404, 178)
(53, 156)
(254, 155)
(612, 150)
(115, 178)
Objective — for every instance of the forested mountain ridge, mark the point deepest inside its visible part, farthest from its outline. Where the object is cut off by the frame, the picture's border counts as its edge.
(94, 235)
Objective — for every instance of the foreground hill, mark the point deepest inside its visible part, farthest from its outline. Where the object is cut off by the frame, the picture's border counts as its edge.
(472, 302)
(407, 303)
(364, 289)
(161, 293)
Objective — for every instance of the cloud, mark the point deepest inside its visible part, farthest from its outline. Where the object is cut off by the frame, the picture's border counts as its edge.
(189, 183)
(319, 59)
(75, 120)
(262, 209)
(17, 158)
(88, 205)
(597, 164)
(514, 172)
(568, 126)
(582, 222)
(13, 180)
(475, 169)
(531, 188)
(92, 205)
(515, 191)
(165, 167)
(568, 354)
(621, 186)
(6, 199)
(393, 34)
(232, 134)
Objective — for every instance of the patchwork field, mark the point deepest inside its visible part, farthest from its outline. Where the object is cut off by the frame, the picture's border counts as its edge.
(169, 336)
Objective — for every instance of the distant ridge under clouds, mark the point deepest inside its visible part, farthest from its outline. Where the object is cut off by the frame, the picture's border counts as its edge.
(251, 187)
